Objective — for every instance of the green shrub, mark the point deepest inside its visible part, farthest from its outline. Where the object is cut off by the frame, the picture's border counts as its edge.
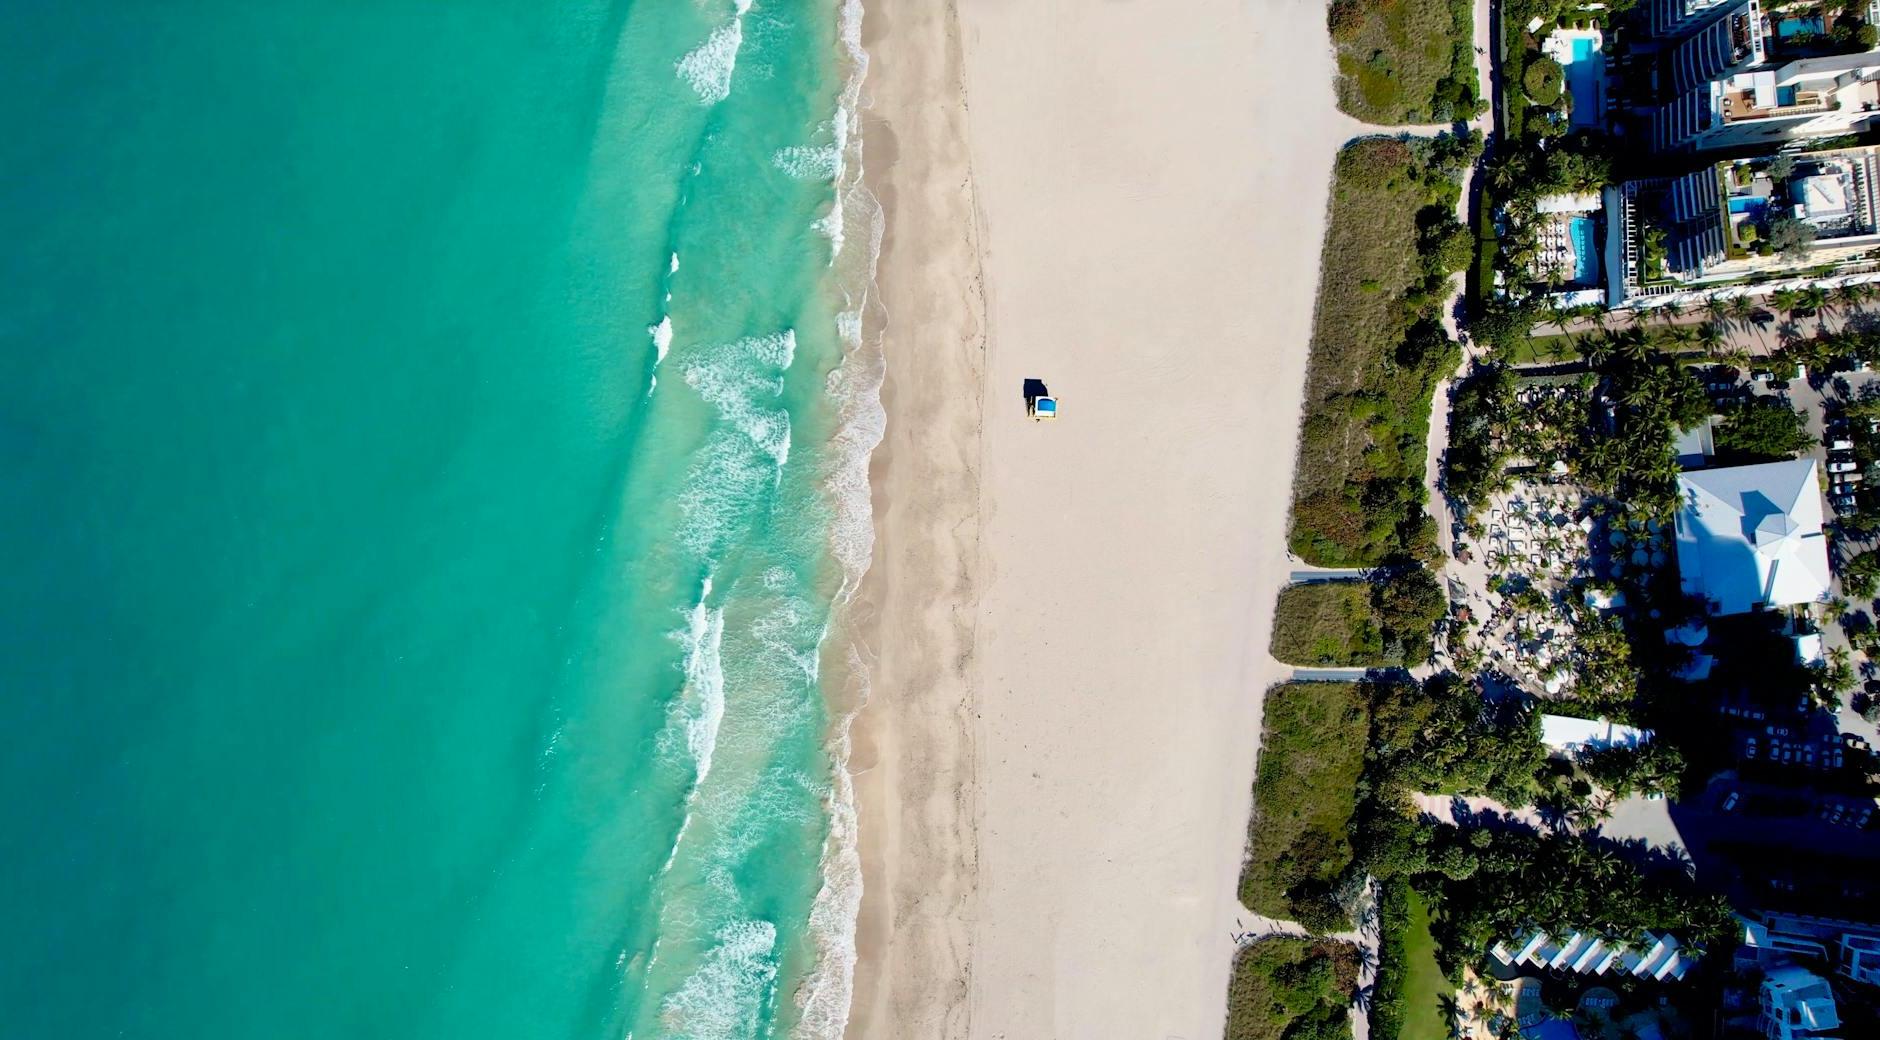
(1860, 576)
(1378, 351)
(1764, 430)
(1292, 989)
(1404, 61)
(1328, 624)
(1408, 602)
(1542, 80)
(1299, 852)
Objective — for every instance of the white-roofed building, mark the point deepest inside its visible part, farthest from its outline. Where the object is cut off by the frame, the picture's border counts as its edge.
(1571, 736)
(1657, 957)
(1750, 537)
(1821, 197)
(1797, 1005)
(1572, 202)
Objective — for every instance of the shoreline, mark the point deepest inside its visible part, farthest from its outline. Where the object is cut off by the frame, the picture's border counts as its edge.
(1065, 625)
(912, 755)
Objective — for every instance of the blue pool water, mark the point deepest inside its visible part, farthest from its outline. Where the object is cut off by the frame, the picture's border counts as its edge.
(1585, 251)
(1748, 204)
(1790, 26)
(1584, 75)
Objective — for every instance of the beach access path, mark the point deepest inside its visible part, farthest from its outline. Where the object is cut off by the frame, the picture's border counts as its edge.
(1485, 30)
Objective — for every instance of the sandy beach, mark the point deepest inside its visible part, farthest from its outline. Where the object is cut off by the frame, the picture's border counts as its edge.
(1066, 623)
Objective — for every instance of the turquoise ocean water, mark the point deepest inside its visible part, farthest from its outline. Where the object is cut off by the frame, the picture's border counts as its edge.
(428, 461)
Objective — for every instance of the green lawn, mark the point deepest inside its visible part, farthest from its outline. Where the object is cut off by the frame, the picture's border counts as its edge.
(1328, 624)
(1424, 985)
(1284, 988)
(1544, 350)
(1299, 840)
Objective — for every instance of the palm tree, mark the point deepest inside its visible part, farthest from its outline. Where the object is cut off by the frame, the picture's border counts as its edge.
(1672, 310)
(1710, 337)
(1785, 300)
(1814, 299)
(1717, 308)
(1633, 344)
(1742, 308)
(1851, 295)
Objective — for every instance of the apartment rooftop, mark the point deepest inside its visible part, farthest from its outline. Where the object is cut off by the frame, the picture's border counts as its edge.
(1837, 83)
(1753, 103)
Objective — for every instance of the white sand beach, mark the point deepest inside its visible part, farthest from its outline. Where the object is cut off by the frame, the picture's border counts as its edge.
(1067, 622)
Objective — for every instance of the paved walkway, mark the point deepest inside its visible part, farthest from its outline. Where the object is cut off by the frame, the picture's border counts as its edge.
(1437, 443)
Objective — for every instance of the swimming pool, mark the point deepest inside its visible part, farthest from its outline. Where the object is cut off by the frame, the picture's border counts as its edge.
(1748, 204)
(1585, 251)
(1585, 75)
(1809, 24)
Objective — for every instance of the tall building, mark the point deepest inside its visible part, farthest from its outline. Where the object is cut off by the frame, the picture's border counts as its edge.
(1725, 46)
(1712, 225)
(1671, 19)
(1810, 97)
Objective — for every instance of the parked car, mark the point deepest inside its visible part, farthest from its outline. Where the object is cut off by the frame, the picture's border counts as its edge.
(1840, 445)
(1842, 467)
(1865, 815)
(1729, 804)
(1749, 748)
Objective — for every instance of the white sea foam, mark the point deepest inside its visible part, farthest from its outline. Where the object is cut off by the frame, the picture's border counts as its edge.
(662, 338)
(726, 996)
(808, 162)
(672, 266)
(826, 994)
(708, 67)
(705, 682)
(855, 386)
(734, 378)
(742, 459)
(662, 342)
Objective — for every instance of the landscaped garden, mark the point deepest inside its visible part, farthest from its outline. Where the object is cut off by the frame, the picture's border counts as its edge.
(1408, 1000)
(1425, 987)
